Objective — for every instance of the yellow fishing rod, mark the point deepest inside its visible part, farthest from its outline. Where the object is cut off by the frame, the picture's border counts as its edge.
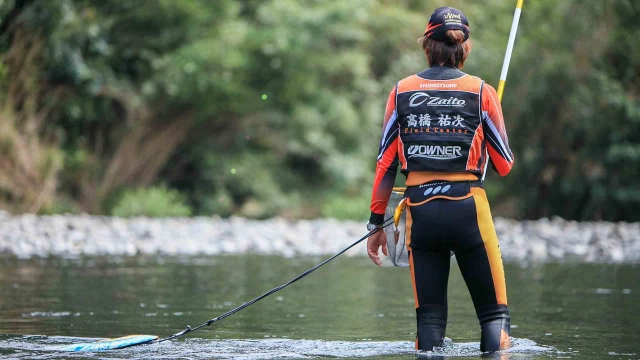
(507, 55)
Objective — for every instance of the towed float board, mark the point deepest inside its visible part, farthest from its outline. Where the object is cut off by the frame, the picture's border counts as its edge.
(111, 344)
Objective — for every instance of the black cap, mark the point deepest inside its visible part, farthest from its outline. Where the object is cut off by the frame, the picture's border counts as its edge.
(445, 19)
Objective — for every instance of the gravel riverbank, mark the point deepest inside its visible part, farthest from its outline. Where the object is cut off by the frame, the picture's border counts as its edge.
(28, 236)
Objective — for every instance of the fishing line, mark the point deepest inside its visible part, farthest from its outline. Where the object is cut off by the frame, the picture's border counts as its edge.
(189, 329)
(132, 340)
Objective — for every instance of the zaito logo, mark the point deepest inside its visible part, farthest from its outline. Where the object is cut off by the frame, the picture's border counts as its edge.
(435, 152)
(420, 98)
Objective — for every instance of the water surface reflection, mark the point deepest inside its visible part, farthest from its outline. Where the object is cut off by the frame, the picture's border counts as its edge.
(349, 308)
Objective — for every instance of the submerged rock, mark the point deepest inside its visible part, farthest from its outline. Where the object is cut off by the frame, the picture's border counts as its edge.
(553, 239)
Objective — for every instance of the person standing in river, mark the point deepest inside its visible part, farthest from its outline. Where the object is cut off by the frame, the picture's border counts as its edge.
(443, 127)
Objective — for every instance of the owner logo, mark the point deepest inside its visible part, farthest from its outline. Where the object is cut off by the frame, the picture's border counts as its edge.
(435, 152)
(420, 98)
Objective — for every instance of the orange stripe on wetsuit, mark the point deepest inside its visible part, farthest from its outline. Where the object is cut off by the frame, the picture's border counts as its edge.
(490, 240)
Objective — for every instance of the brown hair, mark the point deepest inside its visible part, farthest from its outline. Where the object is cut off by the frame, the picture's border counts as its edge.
(453, 52)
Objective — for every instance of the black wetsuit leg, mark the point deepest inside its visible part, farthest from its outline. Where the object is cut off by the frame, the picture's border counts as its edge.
(430, 261)
(465, 227)
(431, 275)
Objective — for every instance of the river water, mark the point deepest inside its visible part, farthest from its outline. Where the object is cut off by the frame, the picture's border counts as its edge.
(349, 308)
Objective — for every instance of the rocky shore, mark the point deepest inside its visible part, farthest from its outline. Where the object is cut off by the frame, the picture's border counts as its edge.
(26, 236)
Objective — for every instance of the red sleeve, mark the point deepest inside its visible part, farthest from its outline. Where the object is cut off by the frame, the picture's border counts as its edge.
(387, 164)
(495, 131)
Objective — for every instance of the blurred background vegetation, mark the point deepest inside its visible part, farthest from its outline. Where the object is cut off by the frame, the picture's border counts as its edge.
(274, 107)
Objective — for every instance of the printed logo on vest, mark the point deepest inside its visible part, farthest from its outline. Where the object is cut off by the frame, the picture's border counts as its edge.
(435, 152)
(420, 98)
(438, 85)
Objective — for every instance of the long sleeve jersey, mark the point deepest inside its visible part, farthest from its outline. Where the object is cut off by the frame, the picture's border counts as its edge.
(493, 128)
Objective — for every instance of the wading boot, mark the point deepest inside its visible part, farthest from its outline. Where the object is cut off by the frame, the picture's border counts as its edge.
(495, 323)
(432, 324)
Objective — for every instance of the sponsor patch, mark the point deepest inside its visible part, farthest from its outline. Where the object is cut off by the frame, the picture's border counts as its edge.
(420, 98)
(435, 152)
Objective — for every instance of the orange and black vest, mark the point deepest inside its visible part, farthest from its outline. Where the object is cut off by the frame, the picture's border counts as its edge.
(440, 124)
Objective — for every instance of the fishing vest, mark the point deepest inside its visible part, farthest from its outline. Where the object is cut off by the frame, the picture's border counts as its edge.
(440, 124)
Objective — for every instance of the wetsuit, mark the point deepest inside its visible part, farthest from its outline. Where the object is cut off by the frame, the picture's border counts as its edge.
(443, 127)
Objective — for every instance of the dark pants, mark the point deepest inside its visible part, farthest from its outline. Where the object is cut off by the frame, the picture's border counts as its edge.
(457, 220)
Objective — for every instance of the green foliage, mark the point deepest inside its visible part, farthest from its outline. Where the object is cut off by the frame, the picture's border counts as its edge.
(157, 201)
(575, 111)
(274, 107)
(342, 207)
(62, 205)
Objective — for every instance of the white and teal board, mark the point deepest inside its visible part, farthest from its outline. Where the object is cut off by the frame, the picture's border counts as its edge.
(111, 344)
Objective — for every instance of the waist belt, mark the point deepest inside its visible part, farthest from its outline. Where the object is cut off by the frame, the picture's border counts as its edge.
(449, 190)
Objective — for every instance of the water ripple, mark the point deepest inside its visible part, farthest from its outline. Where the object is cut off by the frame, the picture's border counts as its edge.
(42, 347)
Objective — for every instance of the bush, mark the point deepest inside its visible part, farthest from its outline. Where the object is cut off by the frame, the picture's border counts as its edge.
(347, 207)
(60, 205)
(158, 201)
